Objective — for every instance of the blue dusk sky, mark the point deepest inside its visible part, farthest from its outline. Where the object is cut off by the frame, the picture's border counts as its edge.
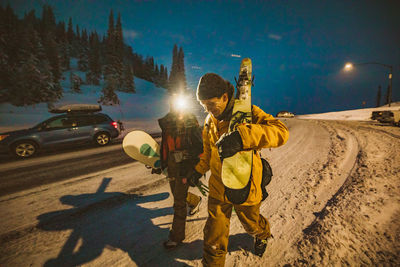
(298, 48)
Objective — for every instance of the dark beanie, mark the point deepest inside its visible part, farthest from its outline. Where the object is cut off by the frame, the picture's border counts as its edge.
(212, 85)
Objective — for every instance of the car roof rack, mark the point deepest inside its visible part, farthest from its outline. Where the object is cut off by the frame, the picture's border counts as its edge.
(76, 109)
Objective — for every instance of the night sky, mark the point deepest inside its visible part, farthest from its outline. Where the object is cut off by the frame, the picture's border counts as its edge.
(298, 48)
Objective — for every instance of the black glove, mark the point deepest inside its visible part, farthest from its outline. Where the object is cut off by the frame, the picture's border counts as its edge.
(156, 171)
(193, 177)
(229, 144)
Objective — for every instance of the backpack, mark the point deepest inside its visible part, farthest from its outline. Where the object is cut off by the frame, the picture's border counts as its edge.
(266, 177)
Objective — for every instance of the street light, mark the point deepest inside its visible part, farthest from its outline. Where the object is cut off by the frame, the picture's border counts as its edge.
(349, 66)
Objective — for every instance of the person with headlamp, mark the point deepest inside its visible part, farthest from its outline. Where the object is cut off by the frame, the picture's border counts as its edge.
(181, 146)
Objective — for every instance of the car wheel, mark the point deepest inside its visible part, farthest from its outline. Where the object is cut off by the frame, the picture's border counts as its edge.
(102, 139)
(24, 149)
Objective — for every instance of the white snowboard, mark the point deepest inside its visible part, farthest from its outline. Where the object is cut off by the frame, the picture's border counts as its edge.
(142, 147)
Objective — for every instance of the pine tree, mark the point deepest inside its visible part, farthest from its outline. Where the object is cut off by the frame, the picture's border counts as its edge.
(156, 79)
(129, 82)
(78, 33)
(378, 97)
(5, 71)
(119, 51)
(181, 70)
(11, 25)
(165, 78)
(110, 46)
(108, 95)
(111, 78)
(34, 82)
(93, 75)
(6, 67)
(70, 32)
(83, 52)
(76, 82)
(177, 77)
(119, 39)
(161, 76)
(48, 22)
(61, 34)
(137, 62)
(51, 48)
(149, 69)
(173, 76)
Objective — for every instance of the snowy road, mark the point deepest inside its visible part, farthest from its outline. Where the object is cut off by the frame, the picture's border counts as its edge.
(24, 174)
(334, 200)
(59, 164)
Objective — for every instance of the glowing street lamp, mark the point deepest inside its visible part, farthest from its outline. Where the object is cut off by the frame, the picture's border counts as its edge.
(349, 66)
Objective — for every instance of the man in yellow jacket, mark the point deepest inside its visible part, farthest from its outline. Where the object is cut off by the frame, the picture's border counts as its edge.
(216, 96)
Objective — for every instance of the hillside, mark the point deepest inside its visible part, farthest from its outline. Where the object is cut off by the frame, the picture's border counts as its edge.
(139, 110)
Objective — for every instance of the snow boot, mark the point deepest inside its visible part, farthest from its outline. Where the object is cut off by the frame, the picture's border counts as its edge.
(169, 244)
(259, 246)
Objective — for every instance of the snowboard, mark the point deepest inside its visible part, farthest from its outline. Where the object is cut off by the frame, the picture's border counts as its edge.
(142, 147)
(236, 170)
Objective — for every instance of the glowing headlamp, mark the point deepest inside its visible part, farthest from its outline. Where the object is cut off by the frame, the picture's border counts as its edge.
(180, 102)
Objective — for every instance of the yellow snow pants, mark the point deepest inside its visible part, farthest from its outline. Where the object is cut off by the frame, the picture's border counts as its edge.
(216, 230)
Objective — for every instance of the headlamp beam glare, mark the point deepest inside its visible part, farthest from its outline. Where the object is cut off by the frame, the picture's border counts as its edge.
(180, 102)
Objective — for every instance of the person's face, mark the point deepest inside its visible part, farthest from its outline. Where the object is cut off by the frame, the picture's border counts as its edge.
(216, 105)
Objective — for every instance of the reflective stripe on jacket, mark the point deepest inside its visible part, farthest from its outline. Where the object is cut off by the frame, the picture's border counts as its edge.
(265, 131)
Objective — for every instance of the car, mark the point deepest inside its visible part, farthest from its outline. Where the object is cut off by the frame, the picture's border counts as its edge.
(375, 115)
(285, 114)
(390, 116)
(74, 126)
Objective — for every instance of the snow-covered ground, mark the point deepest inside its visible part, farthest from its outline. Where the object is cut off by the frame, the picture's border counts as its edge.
(354, 115)
(334, 200)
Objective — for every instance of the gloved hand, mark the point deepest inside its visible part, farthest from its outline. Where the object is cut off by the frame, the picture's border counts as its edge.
(193, 178)
(229, 144)
(156, 171)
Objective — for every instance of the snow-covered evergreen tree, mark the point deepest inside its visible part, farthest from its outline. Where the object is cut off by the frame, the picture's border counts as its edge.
(83, 52)
(108, 95)
(76, 83)
(129, 82)
(93, 75)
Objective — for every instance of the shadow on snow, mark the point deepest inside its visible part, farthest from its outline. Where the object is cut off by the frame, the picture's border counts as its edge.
(123, 225)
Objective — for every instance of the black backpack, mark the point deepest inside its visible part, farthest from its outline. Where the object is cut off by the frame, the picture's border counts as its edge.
(266, 177)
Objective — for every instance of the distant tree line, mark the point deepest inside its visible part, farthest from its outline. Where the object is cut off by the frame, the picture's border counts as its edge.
(34, 52)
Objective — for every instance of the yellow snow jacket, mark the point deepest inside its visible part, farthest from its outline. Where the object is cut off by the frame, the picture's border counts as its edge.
(264, 131)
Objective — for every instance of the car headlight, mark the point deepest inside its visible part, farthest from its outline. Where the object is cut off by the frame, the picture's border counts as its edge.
(3, 136)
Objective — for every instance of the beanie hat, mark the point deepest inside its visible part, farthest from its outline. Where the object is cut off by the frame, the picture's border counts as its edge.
(212, 85)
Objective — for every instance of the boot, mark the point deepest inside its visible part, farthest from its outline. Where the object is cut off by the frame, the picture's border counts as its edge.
(169, 244)
(259, 246)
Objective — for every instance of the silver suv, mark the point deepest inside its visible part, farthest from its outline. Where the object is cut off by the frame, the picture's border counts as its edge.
(66, 129)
